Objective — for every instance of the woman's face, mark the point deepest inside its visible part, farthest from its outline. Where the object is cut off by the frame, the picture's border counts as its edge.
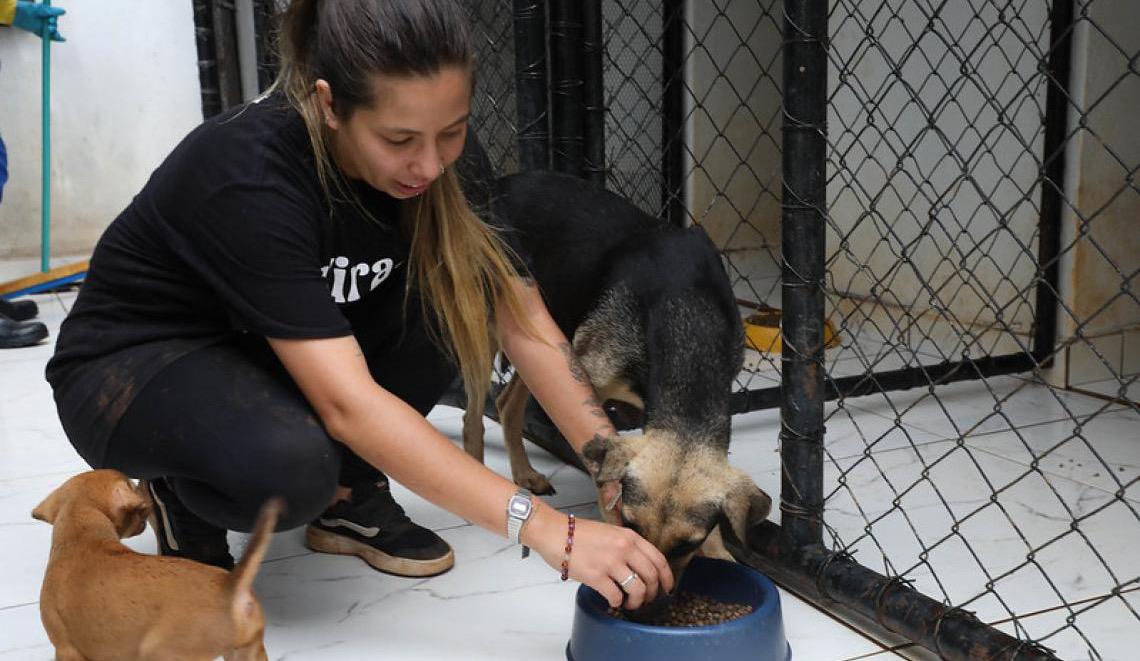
(400, 144)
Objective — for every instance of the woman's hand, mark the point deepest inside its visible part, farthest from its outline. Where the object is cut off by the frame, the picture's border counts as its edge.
(603, 556)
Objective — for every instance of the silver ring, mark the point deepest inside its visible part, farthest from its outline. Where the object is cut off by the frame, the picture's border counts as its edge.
(628, 579)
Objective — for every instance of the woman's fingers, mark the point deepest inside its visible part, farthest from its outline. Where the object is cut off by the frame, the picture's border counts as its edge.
(657, 559)
(605, 557)
(631, 584)
(609, 590)
(646, 574)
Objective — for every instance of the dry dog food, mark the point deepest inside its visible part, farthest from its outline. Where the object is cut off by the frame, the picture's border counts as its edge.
(693, 610)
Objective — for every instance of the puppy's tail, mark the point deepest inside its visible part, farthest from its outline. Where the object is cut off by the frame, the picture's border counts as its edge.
(241, 578)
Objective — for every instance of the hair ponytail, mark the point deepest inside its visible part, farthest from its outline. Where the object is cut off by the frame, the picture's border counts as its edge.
(297, 81)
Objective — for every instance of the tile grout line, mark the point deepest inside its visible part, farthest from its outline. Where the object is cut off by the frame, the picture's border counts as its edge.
(986, 451)
(1056, 475)
(841, 622)
(896, 648)
(1068, 604)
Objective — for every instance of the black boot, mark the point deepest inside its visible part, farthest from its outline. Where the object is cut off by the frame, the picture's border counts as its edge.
(15, 334)
(372, 526)
(18, 310)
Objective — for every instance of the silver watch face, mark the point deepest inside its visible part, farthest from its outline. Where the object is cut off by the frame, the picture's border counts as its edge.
(519, 507)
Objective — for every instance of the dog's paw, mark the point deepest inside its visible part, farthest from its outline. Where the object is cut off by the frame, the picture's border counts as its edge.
(536, 483)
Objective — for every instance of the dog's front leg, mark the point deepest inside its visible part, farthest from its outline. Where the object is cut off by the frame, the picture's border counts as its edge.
(55, 628)
(512, 413)
(473, 431)
(254, 651)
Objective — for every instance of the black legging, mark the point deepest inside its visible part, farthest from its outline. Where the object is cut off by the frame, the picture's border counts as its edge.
(229, 428)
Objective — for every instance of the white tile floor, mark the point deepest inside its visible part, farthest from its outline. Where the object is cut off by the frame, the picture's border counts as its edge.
(494, 606)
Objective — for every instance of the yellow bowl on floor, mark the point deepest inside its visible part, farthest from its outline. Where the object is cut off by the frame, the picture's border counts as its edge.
(762, 332)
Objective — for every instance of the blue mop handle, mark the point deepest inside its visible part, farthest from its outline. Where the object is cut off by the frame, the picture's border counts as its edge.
(45, 156)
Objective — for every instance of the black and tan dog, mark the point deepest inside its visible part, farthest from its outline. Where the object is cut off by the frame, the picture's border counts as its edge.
(653, 320)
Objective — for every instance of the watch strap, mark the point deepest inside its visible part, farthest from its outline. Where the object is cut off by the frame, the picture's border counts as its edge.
(515, 521)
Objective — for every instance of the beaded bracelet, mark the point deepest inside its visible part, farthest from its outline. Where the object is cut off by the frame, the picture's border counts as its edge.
(568, 549)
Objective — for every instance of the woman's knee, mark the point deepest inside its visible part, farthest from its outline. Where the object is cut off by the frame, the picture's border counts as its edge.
(303, 475)
(307, 482)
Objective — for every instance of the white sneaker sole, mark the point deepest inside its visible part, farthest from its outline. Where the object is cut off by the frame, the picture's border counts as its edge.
(323, 541)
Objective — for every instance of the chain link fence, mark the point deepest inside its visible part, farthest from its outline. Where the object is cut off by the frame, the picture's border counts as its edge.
(980, 205)
(979, 272)
(950, 189)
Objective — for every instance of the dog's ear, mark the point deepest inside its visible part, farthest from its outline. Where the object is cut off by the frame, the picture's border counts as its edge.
(129, 509)
(49, 508)
(745, 505)
(607, 457)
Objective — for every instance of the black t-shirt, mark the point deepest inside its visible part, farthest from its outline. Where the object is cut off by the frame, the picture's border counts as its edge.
(232, 234)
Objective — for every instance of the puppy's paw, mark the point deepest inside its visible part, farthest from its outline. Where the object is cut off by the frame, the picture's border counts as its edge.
(536, 482)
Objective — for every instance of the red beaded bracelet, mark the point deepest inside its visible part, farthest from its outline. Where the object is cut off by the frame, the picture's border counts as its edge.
(568, 549)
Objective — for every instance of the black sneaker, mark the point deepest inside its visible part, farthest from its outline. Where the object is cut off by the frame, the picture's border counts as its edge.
(372, 526)
(181, 533)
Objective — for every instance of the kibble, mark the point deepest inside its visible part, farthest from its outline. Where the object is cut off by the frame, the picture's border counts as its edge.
(692, 610)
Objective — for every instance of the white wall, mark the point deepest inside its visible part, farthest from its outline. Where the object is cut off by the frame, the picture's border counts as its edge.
(124, 91)
(734, 124)
(1101, 226)
(933, 202)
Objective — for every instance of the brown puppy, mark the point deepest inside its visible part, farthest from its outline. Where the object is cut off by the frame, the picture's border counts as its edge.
(102, 600)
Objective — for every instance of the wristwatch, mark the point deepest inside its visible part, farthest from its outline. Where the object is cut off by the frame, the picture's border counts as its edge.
(519, 509)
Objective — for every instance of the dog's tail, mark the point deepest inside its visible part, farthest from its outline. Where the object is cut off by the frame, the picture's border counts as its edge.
(241, 578)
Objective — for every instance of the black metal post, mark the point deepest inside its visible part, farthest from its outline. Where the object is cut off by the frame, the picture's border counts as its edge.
(593, 92)
(876, 602)
(530, 84)
(1053, 182)
(905, 378)
(264, 16)
(226, 53)
(216, 37)
(207, 58)
(673, 193)
(804, 233)
(566, 85)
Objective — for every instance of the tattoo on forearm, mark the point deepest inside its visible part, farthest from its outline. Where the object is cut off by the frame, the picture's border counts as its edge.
(592, 404)
(576, 369)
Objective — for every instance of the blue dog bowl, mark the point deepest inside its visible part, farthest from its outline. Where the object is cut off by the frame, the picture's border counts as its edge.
(758, 636)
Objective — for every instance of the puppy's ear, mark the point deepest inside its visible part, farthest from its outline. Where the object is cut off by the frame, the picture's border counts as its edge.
(129, 509)
(607, 457)
(49, 508)
(745, 505)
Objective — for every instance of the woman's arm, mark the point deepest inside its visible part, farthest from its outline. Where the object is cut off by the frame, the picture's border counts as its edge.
(387, 433)
(550, 369)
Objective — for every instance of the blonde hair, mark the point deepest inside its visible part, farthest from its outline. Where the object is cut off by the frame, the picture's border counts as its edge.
(458, 265)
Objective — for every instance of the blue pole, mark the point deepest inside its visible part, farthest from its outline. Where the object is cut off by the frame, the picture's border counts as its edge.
(45, 156)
